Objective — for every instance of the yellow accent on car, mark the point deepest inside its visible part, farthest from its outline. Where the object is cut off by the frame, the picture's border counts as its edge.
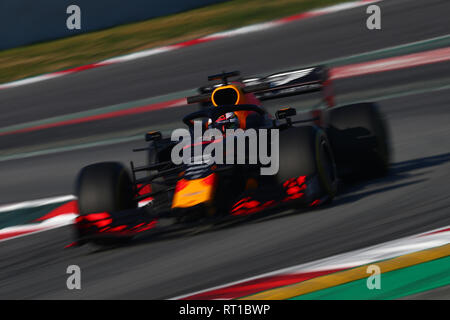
(194, 192)
(239, 99)
(251, 184)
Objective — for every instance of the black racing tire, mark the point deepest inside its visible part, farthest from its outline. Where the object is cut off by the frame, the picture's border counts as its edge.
(305, 151)
(104, 187)
(359, 136)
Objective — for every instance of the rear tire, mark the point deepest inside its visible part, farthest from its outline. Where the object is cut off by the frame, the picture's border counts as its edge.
(359, 136)
(305, 151)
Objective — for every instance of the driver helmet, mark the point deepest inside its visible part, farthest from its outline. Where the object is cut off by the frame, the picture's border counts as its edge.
(228, 120)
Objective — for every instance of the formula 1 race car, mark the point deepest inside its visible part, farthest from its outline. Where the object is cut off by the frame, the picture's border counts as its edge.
(309, 154)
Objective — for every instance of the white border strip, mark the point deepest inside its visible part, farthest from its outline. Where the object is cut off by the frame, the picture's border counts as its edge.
(35, 203)
(355, 258)
(52, 223)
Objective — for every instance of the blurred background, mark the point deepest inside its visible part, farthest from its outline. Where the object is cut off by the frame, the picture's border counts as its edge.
(69, 98)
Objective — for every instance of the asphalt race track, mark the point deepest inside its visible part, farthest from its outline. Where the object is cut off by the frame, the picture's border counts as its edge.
(299, 43)
(413, 198)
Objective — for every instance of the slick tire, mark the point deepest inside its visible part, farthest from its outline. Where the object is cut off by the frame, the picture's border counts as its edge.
(104, 187)
(305, 151)
(360, 139)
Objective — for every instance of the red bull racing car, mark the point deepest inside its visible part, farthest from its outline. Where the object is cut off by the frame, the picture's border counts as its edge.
(304, 156)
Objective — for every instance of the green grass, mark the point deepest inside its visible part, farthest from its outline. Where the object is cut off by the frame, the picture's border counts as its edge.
(92, 47)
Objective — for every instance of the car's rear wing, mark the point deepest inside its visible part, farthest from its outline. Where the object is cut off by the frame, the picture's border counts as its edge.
(277, 85)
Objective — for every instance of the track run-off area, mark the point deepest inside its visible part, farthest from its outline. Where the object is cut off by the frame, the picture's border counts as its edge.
(50, 129)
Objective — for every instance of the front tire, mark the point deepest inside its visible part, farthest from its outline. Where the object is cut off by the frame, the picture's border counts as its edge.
(104, 187)
(305, 151)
